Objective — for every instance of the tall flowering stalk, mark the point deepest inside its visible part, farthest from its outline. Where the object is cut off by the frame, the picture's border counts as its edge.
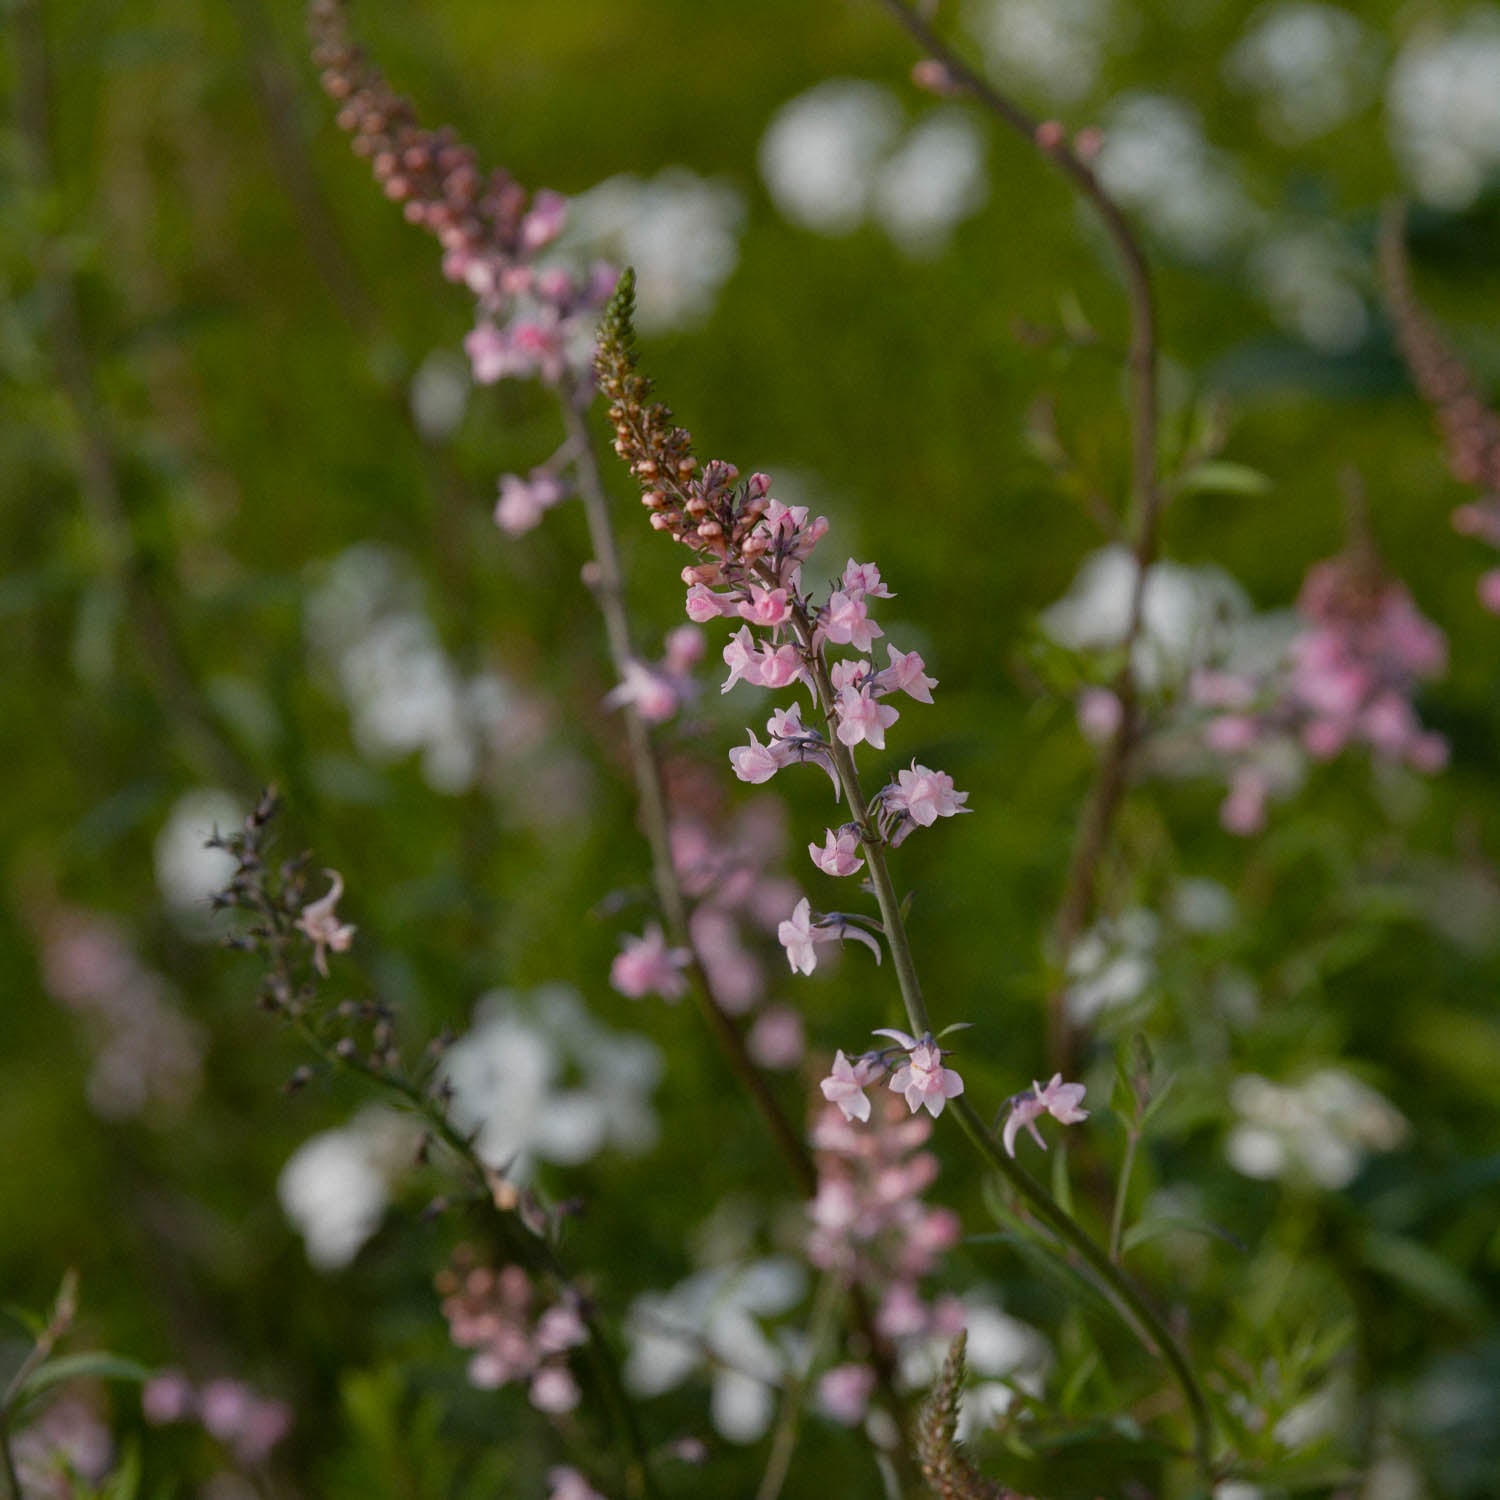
(748, 554)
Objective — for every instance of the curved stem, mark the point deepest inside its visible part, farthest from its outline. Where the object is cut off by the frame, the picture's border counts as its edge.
(1097, 820)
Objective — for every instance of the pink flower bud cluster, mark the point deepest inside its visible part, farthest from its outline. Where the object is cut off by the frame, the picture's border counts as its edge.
(248, 1424)
(498, 1315)
(869, 1224)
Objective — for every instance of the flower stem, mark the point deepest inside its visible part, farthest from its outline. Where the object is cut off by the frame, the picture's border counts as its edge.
(1096, 822)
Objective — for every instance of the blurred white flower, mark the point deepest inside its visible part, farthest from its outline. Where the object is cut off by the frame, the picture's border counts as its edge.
(713, 1318)
(680, 232)
(1312, 66)
(1310, 280)
(188, 872)
(439, 394)
(932, 182)
(1443, 107)
(1185, 612)
(1056, 47)
(1156, 160)
(1113, 963)
(336, 1185)
(822, 151)
(1321, 1128)
(1200, 905)
(508, 1076)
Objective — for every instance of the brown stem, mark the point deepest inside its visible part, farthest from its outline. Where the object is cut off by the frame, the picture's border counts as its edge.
(1097, 819)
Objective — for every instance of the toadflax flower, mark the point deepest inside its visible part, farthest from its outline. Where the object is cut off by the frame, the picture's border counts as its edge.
(925, 796)
(922, 1079)
(845, 1086)
(645, 965)
(799, 934)
(839, 854)
(1058, 1099)
(319, 921)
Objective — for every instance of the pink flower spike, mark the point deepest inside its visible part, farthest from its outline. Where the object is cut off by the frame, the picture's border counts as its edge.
(906, 674)
(743, 659)
(862, 717)
(767, 607)
(925, 795)
(319, 921)
(839, 854)
(645, 965)
(845, 1086)
(755, 762)
(923, 1080)
(864, 579)
(846, 622)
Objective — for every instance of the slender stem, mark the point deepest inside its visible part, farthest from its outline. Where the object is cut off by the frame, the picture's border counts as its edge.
(794, 1396)
(8, 1463)
(1097, 820)
(1122, 1192)
(1149, 1326)
(1139, 1314)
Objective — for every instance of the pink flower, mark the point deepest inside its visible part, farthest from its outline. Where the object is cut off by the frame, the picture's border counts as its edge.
(922, 1078)
(906, 674)
(168, 1397)
(1099, 712)
(703, 604)
(645, 965)
(777, 1040)
(523, 502)
(742, 657)
(844, 1393)
(320, 922)
(1231, 734)
(1058, 1099)
(653, 693)
(846, 622)
(925, 795)
(848, 674)
(765, 606)
(845, 1086)
(545, 221)
(797, 935)
(755, 762)
(568, 1484)
(1489, 590)
(839, 854)
(683, 650)
(1244, 810)
(862, 717)
(778, 666)
(863, 580)
(553, 1390)
(786, 723)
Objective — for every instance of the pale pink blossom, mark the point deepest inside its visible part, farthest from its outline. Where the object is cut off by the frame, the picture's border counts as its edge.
(906, 674)
(742, 657)
(846, 622)
(786, 723)
(755, 762)
(863, 580)
(566, 1483)
(863, 717)
(1099, 712)
(319, 921)
(544, 221)
(777, 1039)
(848, 674)
(646, 965)
(553, 1390)
(1489, 590)
(1058, 1099)
(653, 693)
(845, 1086)
(1243, 811)
(922, 1079)
(778, 666)
(798, 936)
(839, 854)
(925, 795)
(703, 604)
(765, 606)
(844, 1393)
(523, 502)
(684, 647)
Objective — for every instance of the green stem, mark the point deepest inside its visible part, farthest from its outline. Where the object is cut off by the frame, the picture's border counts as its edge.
(794, 1395)
(1122, 1190)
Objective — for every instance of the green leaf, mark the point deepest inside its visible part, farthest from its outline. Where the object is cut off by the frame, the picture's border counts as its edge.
(79, 1367)
(1219, 477)
(1150, 1229)
(1425, 1274)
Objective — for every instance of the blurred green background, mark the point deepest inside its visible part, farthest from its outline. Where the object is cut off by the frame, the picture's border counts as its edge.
(225, 362)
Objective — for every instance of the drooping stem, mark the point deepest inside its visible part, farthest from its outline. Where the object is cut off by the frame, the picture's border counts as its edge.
(1103, 803)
